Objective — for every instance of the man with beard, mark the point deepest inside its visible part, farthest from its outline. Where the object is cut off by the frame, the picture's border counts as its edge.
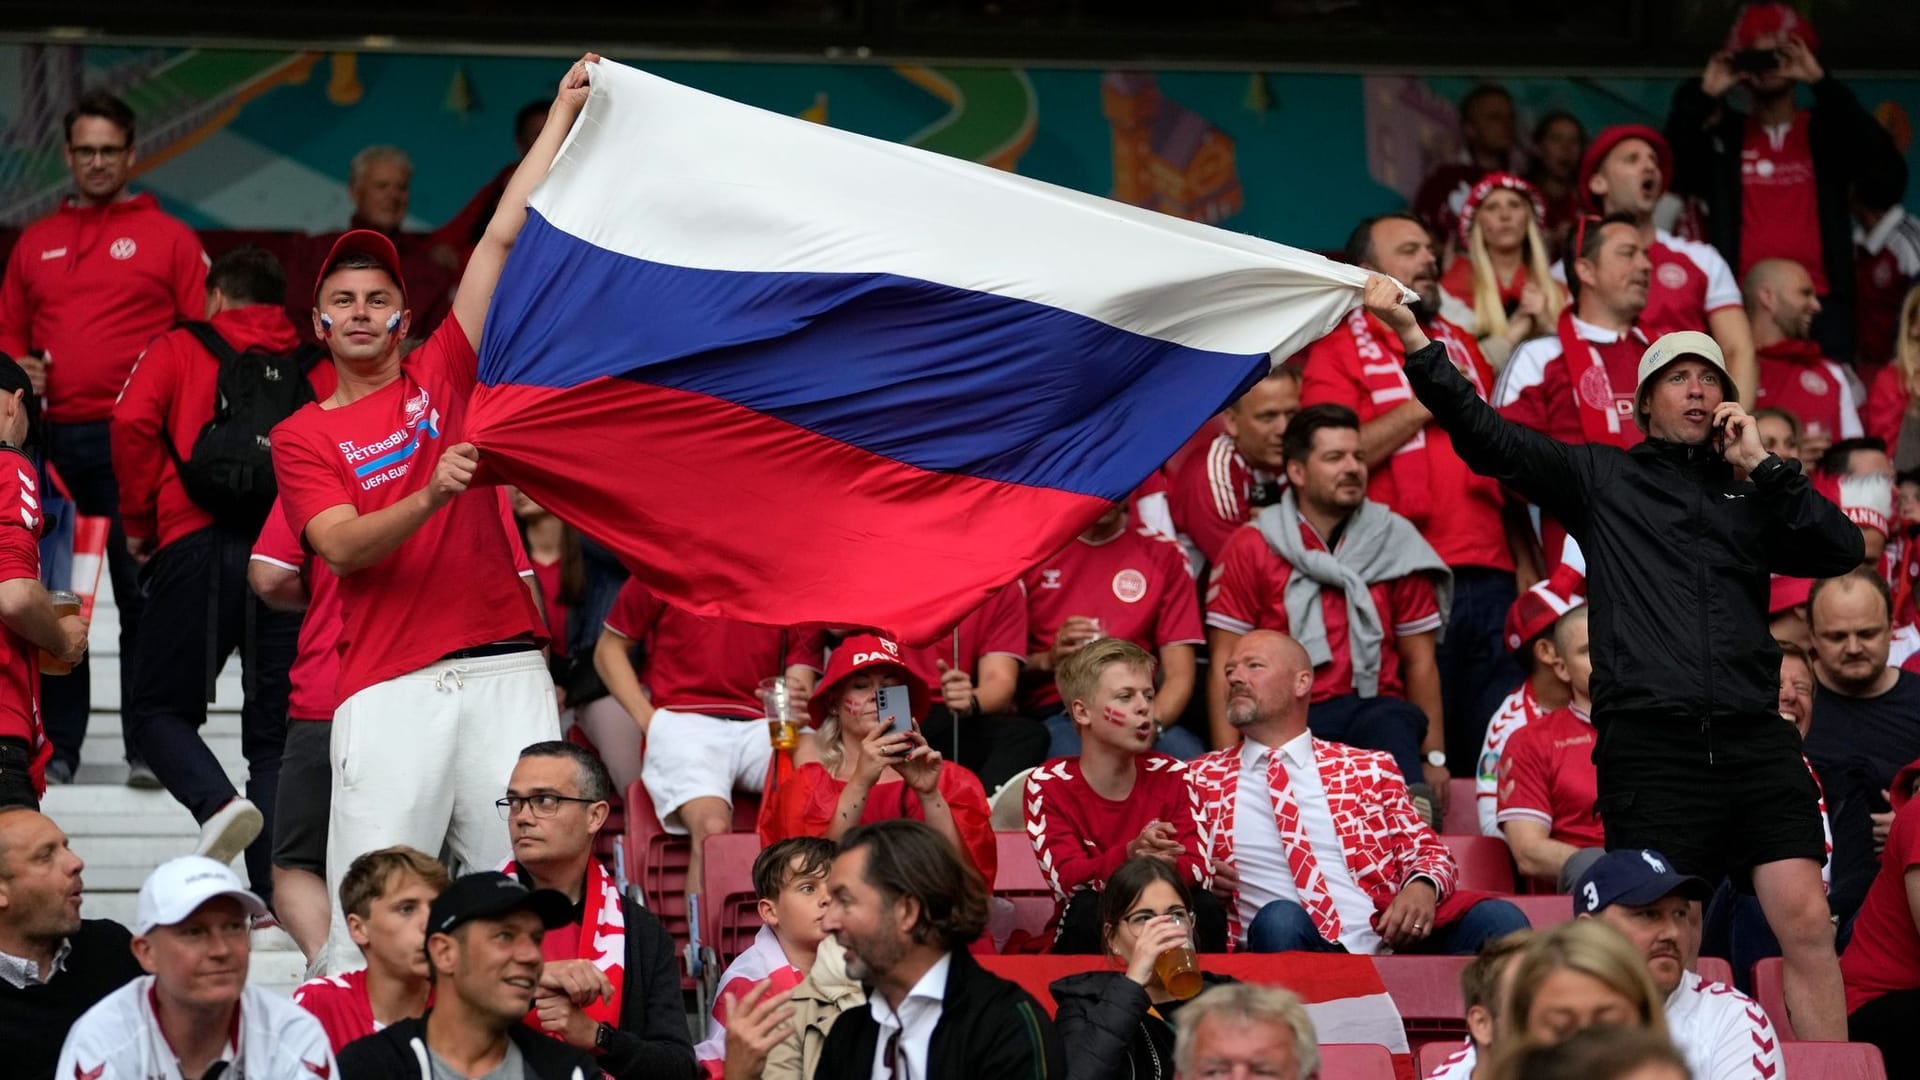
(905, 908)
(1413, 471)
(1218, 488)
(1356, 585)
(53, 964)
(1794, 375)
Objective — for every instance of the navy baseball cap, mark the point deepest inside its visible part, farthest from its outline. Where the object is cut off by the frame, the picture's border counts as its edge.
(491, 895)
(1633, 876)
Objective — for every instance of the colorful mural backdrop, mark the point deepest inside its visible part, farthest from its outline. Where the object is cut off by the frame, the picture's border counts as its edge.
(262, 139)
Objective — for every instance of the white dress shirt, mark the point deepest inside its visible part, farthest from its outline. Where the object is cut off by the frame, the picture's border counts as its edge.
(918, 1015)
(1265, 874)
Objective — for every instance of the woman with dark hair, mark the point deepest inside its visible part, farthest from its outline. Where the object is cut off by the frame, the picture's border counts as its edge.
(1116, 1021)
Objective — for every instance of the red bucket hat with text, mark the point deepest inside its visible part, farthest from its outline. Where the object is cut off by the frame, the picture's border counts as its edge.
(865, 652)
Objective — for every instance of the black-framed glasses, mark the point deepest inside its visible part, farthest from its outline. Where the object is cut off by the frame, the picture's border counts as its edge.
(543, 805)
(86, 155)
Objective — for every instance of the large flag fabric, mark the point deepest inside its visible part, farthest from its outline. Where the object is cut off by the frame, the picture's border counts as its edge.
(793, 374)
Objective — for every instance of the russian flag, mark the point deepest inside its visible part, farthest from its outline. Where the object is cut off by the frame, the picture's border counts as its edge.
(793, 374)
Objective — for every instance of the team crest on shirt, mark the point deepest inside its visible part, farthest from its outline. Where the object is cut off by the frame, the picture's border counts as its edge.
(1049, 579)
(123, 248)
(416, 407)
(1813, 383)
(1671, 276)
(1129, 585)
(1595, 387)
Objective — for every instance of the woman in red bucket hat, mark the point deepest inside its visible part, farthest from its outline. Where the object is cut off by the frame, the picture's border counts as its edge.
(867, 773)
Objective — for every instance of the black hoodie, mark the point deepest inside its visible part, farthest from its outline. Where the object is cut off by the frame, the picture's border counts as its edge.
(400, 1050)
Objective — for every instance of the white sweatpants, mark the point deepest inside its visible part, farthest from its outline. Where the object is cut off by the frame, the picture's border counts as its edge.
(420, 759)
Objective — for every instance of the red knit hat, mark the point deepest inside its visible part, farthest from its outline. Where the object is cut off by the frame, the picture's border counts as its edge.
(1487, 185)
(865, 652)
(1537, 609)
(1756, 21)
(1603, 144)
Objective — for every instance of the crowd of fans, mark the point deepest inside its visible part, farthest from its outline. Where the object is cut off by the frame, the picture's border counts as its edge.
(1519, 531)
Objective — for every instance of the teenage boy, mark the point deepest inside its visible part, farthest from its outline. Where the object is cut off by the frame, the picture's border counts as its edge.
(790, 882)
(1547, 779)
(1116, 801)
(386, 895)
(1530, 637)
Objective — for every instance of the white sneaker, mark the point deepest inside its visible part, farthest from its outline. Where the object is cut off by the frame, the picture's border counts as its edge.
(228, 832)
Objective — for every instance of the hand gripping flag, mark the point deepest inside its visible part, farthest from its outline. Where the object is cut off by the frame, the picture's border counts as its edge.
(793, 374)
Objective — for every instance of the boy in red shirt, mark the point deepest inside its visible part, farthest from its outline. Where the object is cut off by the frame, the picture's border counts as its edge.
(1116, 801)
(386, 895)
(1547, 779)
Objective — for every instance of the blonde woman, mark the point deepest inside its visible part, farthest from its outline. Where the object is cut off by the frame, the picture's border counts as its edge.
(1892, 404)
(1575, 976)
(1501, 289)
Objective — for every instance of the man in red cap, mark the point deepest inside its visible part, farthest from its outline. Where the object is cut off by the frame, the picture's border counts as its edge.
(1625, 170)
(441, 681)
(1776, 179)
(1530, 636)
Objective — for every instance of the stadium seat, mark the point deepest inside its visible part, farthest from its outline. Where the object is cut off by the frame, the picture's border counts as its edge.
(1463, 813)
(1770, 990)
(1426, 990)
(1432, 1055)
(1356, 1061)
(1833, 1060)
(1544, 912)
(1005, 809)
(729, 908)
(1020, 882)
(657, 862)
(1484, 862)
(1714, 969)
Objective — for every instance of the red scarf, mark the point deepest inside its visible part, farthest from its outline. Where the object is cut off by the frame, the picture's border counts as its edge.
(1381, 369)
(1600, 419)
(602, 941)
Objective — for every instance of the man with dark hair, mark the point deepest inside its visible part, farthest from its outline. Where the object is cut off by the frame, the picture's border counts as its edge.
(906, 907)
(484, 940)
(1413, 471)
(54, 965)
(1487, 135)
(1360, 589)
(386, 895)
(194, 551)
(1218, 488)
(85, 290)
(1862, 456)
(610, 986)
(1692, 757)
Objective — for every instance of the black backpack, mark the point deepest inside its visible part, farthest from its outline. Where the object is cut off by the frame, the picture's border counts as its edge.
(229, 472)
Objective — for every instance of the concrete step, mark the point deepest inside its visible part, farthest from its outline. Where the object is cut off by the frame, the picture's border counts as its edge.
(228, 690)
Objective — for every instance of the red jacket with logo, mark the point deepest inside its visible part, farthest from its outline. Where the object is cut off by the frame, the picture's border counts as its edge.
(89, 287)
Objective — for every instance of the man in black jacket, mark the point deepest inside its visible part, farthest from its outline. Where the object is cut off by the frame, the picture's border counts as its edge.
(1679, 535)
(483, 945)
(557, 799)
(1776, 179)
(906, 907)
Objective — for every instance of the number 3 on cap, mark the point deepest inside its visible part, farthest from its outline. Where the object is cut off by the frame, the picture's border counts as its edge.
(1592, 895)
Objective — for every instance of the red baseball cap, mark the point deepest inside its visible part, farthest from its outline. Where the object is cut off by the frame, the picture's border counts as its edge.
(1786, 592)
(865, 652)
(1603, 144)
(1756, 21)
(363, 242)
(1537, 609)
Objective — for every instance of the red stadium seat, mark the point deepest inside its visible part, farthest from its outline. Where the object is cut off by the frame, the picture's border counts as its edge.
(1426, 990)
(1770, 990)
(1714, 969)
(1020, 881)
(1833, 1060)
(1544, 912)
(1356, 1061)
(1432, 1055)
(657, 861)
(1463, 813)
(1484, 862)
(729, 908)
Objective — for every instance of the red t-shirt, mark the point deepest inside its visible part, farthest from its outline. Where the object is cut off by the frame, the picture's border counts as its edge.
(997, 627)
(340, 1003)
(548, 575)
(804, 805)
(451, 585)
(1547, 775)
(1886, 405)
(1690, 281)
(1884, 955)
(90, 287)
(1212, 495)
(1795, 377)
(20, 524)
(1248, 592)
(1779, 206)
(170, 395)
(1081, 837)
(1460, 510)
(316, 662)
(704, 663)
(1137, 584)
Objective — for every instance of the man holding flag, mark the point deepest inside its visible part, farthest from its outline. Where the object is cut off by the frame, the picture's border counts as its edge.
(441, 682)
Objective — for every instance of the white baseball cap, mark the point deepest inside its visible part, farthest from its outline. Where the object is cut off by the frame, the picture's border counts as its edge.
(1670, 347)
(177, 888)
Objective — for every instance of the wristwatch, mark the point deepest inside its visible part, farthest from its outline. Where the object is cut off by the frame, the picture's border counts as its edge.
(1437, 758)
(603, 1037)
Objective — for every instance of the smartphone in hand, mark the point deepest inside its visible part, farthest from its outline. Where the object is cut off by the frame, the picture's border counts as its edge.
(896, 709)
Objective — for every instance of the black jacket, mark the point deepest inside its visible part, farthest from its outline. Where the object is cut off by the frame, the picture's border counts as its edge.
(988, 1027)
(1846, 142)
(1677, 551)
(400, 1050)
(1103, 1022)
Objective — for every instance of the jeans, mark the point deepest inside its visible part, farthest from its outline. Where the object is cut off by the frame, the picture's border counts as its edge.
(196, 587)
(83, 455)
(1175, 741)
(1476, 669)
(1392, 725)
(1284, 926)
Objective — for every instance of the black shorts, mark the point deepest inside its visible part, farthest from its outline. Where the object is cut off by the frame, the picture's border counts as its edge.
(1717, 801)
(306, 796)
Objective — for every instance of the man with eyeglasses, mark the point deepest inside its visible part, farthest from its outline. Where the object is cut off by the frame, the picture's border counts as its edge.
(610, 985)
(193, 1014)
(86, 288)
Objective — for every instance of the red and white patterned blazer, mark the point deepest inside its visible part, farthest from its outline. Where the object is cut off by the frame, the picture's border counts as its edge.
(1386, 842)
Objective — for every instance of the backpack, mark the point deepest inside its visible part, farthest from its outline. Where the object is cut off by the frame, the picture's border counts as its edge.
(229, 472)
